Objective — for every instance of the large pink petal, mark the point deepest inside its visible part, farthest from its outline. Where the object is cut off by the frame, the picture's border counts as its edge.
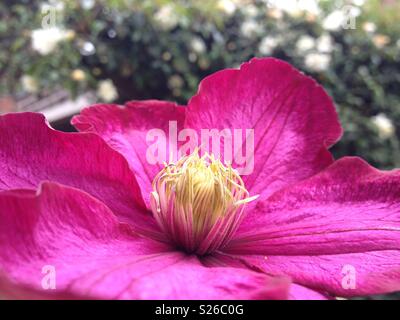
(343, 275)
(31, 152)
(298, 292)
(294, 120)
(125, 128)
(11, 290)
(93, 255)
(346, 217)
(178, 276)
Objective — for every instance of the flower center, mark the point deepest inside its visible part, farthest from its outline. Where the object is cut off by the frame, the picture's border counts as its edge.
(198, 202)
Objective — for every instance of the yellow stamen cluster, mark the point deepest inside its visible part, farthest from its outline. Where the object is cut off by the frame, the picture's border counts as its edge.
(199, 201)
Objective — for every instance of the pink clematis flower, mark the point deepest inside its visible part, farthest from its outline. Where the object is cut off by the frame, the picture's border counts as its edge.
(112, 226)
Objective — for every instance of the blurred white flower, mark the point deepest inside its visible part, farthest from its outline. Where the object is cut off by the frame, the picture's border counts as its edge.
(197, 45)
(359, 3)
(325, 43)
(192, 57)
(29, 84)
(268, 44)
(295, 7)
(166, 56)
(106, 91)
(305, 43)
(369, 27)
(317, 61)
(87, 4)
(342, 18)
(227, 6)
(175, 82)
(250, 10)
(78, 75)
(384, 125)
(250, 28)
(334, 21)
(86, 48)
(45, 40)
(275, 13)
(166, 17)
(380, 40)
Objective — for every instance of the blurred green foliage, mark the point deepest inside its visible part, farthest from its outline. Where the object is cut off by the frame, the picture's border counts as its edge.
(162, 49)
